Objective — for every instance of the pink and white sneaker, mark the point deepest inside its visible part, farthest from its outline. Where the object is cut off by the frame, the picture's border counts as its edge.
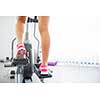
(43, 69)
(21, 51)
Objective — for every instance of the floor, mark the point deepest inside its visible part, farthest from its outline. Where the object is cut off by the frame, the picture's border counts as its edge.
(61, 73)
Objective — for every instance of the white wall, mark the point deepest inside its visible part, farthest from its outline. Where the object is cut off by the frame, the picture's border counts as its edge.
(71, 36)
(7, 33)
(75, 36)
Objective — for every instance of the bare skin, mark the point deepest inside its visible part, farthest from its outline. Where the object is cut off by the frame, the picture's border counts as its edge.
(44, 33)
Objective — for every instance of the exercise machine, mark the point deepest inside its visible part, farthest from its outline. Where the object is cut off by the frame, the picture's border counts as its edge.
(26, 67)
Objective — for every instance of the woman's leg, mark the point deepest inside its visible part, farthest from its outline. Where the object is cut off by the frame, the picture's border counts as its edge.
(20, 28)
(19, 34)
(43, 22)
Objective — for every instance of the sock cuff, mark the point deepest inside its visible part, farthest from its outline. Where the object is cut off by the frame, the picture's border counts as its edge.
(20, 45)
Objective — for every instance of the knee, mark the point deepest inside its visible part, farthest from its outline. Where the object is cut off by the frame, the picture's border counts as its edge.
(21, 19)
(43, 29)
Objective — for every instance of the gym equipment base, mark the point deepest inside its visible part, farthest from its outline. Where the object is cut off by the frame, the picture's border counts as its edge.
(26, 71)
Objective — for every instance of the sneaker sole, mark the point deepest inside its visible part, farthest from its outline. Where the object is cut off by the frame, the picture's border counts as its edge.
(44, 73)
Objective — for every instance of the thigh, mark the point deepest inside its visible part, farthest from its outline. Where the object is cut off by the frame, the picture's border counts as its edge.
(43, 22)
